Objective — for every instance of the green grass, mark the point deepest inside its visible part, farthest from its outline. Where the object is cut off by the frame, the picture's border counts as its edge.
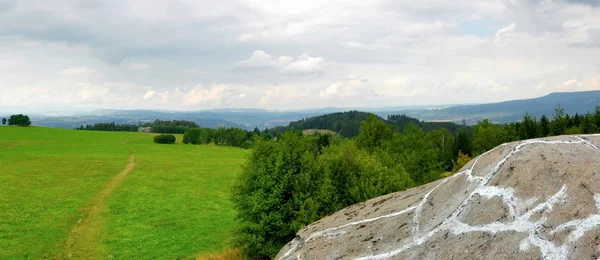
(174, 204)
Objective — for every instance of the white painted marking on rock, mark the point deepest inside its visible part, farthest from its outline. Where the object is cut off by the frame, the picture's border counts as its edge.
(521, 222)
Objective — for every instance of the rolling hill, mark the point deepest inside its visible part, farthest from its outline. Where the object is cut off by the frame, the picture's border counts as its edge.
(501, 112)
(510, 111)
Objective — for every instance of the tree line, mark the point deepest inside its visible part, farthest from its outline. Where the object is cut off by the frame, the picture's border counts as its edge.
(230, 136)
(293, 180)
(158, 126)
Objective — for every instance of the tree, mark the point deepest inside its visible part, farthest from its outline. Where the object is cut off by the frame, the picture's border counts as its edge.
(19, 120)
(372, 133)
(588, 126)
(192, 136)
(287, 184)
(416, 154)
(597, 115)
(528, 128)
(4, 120)
(443, 141)
(558, 126)
(487, 136)
(463, 143)
(544, 126)
(264, 195)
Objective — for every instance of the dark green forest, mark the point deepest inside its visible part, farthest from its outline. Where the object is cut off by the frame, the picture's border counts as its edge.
(292, 180)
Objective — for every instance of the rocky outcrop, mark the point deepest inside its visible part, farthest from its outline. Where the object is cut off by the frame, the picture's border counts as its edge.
(535, 199)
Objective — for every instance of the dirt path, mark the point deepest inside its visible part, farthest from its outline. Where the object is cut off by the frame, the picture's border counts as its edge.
(83, 242)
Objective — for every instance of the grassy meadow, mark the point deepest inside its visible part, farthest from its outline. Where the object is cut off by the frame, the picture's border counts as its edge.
(102, 195)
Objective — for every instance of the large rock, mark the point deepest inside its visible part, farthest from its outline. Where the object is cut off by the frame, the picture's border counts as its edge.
(527, 200)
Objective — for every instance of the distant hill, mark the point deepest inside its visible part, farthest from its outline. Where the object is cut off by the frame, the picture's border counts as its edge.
(347, 124)
(514, 110)
(241, 118)
(502, 112)
(76, 121)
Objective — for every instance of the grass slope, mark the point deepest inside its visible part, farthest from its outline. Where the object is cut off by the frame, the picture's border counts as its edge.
(54, 183)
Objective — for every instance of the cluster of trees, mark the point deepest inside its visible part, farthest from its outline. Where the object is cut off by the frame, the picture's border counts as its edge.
(17, 120)
(158, 126)
(293, 180)
(222, 136)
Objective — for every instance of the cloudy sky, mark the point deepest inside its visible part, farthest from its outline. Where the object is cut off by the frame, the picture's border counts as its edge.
(273, 54)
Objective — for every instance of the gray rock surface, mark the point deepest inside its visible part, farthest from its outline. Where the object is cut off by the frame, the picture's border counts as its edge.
(535, 199)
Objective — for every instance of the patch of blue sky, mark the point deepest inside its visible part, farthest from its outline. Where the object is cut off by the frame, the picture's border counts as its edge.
(481, 27)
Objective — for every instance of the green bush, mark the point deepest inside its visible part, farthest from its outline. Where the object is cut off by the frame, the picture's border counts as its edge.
(164, 139)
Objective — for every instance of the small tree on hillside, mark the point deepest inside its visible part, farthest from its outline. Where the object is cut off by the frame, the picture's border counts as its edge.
(4, 120)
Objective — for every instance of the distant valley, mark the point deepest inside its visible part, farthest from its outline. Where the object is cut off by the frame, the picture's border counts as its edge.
(502, 112)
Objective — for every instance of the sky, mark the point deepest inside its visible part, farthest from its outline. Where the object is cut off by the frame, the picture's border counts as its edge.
(280, 55)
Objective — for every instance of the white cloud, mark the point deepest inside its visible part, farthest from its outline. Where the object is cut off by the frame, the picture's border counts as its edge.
(271, 95)
(89, 92)
(215, 95)
(342, 90)
(575, 85)
(260, 58)
(138, 66)
(200, 95)
(286, 96)
(366, 46)
(591, 84)
(77, 71)
(399, 87)
(397, 81)
(505, 31)
(149, 94)
(569, 82)
(305, 65)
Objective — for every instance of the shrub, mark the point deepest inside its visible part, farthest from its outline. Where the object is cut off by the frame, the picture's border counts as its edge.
(164, 139)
